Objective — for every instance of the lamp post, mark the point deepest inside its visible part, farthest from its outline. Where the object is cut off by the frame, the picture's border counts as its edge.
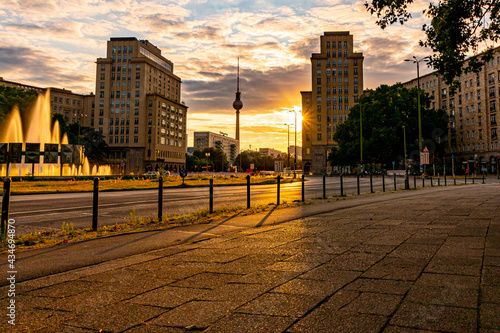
(406, 166)
(288, 148)
(361, 135)
(80, 120)
(295, 149)
(417, 61)
(207, 155)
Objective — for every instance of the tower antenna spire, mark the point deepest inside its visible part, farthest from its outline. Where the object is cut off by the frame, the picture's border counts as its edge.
(238, 104)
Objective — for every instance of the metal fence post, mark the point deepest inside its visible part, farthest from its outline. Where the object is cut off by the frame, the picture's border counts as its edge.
(395, 184)
(465, 179)
(248, 191)
(383, 182)
(160, 198)
(439, 181)
(341, 185)
(95, 205)
(211, 201)
(371, 183)
(454, 181)
(279, 178)
(303, 188)
(423, 181)
(5, 207)
(473, 179)
(415, 181)
(357, 177)
(444, 179)
(324, 186)
(431, 181)
(483, 179)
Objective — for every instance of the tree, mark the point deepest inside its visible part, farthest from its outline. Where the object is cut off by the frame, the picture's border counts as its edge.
(23, 99)
(385, 111)
(217, 159)
(96, 148)
(456, 28)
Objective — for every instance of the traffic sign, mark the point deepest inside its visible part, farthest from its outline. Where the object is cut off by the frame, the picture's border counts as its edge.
(452, 156)
(424, 156)
(426, 150)
(183, 173)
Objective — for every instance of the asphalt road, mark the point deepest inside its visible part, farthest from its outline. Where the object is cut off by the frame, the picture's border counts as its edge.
(48, 211)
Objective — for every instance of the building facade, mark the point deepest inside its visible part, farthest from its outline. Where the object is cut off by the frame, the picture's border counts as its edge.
(229, 146)
(138, 108)
(274, 153)
(472, 134)
(292, 150)
(337, 81)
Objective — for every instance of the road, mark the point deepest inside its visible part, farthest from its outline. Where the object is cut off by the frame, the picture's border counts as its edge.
(48, 211)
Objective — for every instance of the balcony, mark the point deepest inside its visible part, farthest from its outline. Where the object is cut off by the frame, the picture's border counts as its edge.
(493, 122)
(494, 136)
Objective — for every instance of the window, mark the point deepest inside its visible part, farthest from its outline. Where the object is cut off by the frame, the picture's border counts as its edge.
(319, 134)
(318, 63)
(318, 72)
(327, 45)
(355, 62)
(345, 44)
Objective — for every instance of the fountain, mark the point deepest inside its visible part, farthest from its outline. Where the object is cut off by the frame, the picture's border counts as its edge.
(41, 151)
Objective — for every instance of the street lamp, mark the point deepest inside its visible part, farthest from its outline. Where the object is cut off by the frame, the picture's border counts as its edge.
(288, 148)
(417, 61)
(80, 120)
(295, 149)
(361, 135)
(407, 183)
(207, 155)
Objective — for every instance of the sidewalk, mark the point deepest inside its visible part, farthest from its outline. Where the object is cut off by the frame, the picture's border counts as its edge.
(398, 262)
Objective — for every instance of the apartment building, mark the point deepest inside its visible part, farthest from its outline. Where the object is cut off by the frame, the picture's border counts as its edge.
(229, 146)
(472, 128)
(138, 108)
(337, 81)
(274, 153)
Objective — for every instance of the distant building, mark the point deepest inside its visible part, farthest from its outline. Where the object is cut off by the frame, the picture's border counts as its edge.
(139, 108)
(74, 107)
(228, 145)
(292, 149)
(271, 152)
(337, 81)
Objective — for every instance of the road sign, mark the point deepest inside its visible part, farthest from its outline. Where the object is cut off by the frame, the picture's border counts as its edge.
(452, 156)
(183, 173)
(426, 150)
(393, 162)
(424, 157)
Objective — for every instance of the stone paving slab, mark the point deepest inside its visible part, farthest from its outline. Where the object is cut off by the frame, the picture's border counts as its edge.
(382, 266)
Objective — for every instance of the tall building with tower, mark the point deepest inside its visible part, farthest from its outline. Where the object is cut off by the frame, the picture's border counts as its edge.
(238, 105)
(337, 81)
(138, 108)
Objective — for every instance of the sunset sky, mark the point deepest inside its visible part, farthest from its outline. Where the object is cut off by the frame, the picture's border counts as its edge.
(56, 43)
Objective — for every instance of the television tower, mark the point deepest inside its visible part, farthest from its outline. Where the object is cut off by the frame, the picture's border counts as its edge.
(238, 104)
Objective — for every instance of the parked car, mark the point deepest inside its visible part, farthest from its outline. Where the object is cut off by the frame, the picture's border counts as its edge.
(151, 173)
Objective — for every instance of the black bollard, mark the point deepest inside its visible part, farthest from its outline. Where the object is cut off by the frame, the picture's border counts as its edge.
(160, 198)
(473, 179)
(454, 181)
(465, 179)
(383, 182)
(359, 191)
(211, 200)
(439, 181)
(415, 181)
(248, 191)
(431, 182)
(423, 181)
(278, 192)
(5, 208)
(444, 179)
(371, 183)
(324, 186)
(303, 189)
(483, 179)
(341, 185)
(395, 183)
(95, 205)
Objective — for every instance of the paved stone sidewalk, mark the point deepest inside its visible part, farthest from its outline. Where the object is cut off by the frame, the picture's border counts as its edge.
(427, 263)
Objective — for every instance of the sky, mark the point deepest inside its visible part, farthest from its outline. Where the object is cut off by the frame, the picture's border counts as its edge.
(56, 43)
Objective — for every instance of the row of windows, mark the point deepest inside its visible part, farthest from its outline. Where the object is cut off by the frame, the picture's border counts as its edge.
(339, 43)
(334, 63)
(334, 117)
(333, 107)
(338, 54)
(333, 90)
(119, 58)
(68, 101)
(119, 49)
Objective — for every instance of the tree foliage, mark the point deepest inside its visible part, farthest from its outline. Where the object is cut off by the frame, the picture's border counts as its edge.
(23, 99)
(217, 161)
(384, 113)
(456, 28)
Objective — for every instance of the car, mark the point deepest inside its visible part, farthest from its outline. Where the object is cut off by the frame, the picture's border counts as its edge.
(151, 173)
